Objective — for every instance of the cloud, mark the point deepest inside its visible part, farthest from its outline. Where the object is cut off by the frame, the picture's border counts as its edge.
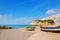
(11, 19)
(53, 11)
(4, 19)
(0, 16)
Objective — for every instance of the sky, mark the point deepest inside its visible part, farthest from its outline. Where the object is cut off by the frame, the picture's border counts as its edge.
(25, 11)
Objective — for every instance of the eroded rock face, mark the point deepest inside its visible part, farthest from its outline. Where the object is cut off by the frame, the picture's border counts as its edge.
(34, 23)
(56, 19)
(5, 27)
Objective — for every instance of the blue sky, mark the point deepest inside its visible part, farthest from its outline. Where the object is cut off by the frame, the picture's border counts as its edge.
(25, 11)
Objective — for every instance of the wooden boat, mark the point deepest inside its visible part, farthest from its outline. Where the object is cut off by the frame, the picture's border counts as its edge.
(51, 30)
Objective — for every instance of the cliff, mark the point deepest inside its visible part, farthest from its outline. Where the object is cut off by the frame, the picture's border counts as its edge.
(55, 18)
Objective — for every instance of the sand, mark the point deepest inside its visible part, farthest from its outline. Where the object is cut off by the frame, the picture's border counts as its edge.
(22, 34)
(40, 35)
(14, 34)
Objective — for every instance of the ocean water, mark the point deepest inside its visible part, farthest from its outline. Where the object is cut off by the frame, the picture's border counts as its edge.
(16, 26)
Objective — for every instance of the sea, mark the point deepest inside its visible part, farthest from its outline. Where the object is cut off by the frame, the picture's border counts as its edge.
(16, 26)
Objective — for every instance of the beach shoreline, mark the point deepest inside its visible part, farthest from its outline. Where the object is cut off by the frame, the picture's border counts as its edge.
(14, 34)
(23, 34)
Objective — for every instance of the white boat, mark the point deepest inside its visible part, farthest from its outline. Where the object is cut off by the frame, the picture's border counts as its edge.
(51, 30)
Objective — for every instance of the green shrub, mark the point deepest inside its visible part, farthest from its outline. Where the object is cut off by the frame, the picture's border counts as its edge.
(30, 28)
(27, 27)
(48, 20)
(33, 28)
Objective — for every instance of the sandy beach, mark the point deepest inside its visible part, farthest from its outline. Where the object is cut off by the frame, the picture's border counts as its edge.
(20, 34)
(14, 34)
(40, 35)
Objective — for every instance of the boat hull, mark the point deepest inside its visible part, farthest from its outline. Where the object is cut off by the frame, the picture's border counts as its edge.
(51, 30)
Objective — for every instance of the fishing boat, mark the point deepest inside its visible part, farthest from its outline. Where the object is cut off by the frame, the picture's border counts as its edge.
(56, 29)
